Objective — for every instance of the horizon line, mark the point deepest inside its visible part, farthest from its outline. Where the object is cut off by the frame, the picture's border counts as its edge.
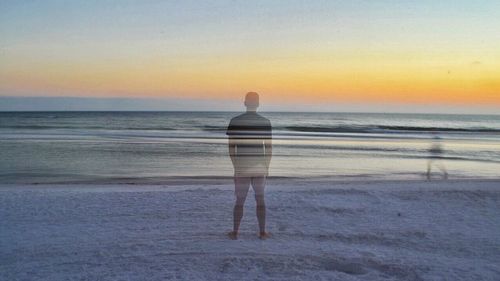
(263, 111)
(170, 104)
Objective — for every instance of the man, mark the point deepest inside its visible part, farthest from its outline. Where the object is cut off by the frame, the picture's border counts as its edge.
(250, 150)
(436, 152)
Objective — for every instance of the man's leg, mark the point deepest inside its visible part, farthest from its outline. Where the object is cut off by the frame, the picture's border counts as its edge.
(258, 184)
(443, 170)
(241, 186)
(429, 164)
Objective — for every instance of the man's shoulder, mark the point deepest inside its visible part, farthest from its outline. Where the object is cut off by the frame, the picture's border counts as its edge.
(263, 118)
(250, 119)
(256, 116)
(264, 121)
(238, 118)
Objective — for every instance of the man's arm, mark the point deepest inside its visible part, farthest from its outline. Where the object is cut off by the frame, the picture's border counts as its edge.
(232, 150)
(268, 146)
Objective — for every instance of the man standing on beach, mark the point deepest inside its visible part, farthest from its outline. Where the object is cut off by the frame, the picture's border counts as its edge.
(436, 152)
(250, 149)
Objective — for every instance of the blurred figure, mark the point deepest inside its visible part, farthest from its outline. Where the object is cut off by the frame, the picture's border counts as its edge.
(250, 149)
(435, 154)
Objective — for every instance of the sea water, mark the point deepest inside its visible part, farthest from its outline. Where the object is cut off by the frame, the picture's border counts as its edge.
(135, 147)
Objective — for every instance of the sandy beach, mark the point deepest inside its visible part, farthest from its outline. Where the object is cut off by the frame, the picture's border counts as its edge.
(322, 230)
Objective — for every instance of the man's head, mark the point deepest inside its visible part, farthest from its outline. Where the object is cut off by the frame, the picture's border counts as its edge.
(252, 101)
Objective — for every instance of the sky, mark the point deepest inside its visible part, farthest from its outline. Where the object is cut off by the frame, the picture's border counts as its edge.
(299, 55)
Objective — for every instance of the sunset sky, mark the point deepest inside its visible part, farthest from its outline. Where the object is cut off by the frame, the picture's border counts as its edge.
(302, 53)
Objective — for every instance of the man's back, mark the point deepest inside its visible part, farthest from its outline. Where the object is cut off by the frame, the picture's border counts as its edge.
(250, 135)
(248, 131)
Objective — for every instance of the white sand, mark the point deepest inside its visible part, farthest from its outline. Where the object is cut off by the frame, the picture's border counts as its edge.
(322, 231)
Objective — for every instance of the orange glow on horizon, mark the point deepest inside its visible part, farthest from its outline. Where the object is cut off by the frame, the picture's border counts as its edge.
(342, 78)
(310, 83)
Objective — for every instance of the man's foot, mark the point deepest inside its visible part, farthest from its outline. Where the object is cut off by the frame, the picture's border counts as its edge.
(264, 235)
(233, 235)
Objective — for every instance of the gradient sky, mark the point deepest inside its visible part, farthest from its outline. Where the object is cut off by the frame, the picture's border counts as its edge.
(423, 53)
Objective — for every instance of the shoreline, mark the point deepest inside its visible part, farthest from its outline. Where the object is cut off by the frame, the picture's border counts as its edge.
(223, 180)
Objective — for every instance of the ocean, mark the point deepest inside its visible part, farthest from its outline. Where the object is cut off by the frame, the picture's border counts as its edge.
(155, 147)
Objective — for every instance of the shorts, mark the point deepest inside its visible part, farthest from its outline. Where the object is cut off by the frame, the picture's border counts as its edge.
(242, 184)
